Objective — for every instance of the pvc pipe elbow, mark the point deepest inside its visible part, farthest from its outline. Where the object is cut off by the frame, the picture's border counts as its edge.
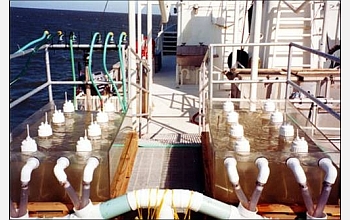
(328, 167)
(91, 165)
(230, 164)
(294, 165)
(32, 163)
(61, 164)
(264, 170)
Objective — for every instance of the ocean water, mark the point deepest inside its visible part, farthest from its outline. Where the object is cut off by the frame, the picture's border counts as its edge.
(29, 71)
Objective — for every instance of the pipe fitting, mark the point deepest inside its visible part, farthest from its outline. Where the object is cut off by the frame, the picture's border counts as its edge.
(91, 165)
(32, 163)
(230, 164)
(247, 214)
(61, 164)
(90, 211)
(264, 170)
(294, 164)
(328, 167)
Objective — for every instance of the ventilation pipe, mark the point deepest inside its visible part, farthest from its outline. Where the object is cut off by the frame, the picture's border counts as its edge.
(329, 179)
(91, 165)
(263, 175)
(230, 164)
(31, 164)
(63, 163)
(294, 165)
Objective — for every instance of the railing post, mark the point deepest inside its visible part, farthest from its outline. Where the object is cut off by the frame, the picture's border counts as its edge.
(48, 73)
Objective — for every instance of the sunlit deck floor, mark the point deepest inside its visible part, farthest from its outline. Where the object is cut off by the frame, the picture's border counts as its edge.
(169, 154)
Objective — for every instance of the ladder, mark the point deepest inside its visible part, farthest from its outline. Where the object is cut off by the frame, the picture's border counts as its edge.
(293, 24)
(229, 10)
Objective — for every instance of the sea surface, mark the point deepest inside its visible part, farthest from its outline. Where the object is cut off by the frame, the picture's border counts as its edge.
(28, 72)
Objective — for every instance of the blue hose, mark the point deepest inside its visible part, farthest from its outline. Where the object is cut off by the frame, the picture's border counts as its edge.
(90, 61)
(121, 38)
(106, 71)
(45, 35)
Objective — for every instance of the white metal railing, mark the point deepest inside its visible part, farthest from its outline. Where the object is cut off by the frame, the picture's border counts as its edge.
(206, 82)
(142, 68)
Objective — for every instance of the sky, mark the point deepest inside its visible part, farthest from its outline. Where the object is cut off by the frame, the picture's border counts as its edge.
(99, 6)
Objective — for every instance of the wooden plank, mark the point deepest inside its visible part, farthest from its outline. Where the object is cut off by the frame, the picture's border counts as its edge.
(48, 209)
(207, 163)
(293, 211)
(260, 71)
(123, 172)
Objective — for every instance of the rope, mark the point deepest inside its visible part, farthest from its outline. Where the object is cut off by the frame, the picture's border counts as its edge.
(161, 204)
(176, 216)
(188, 210)
(154, 211)
(139, 210)
(149, 204)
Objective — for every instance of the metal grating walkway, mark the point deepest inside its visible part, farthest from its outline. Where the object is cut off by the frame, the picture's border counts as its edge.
(172, 139)
(168, 168)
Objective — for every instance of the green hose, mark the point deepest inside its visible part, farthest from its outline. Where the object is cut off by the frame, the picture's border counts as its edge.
(107, 73)
(90, 61)
(45, 36)
(121, 38)
(73, 71)
(35, 49)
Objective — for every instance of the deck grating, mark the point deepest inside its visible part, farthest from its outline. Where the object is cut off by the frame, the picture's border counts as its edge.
(167, 168)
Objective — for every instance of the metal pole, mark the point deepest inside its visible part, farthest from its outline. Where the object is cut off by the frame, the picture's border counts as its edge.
(132, 62)
(150, 59)
(255, 55)
(48, 73)
(323, 40)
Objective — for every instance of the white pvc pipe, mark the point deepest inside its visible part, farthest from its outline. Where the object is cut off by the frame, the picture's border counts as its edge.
(294, 165)
(328, 167)
(230, 164)
(263, 175)
(299, 174)
(61, 164)
(91, 165)
(264, 171)
(32, 163)
(329, 179)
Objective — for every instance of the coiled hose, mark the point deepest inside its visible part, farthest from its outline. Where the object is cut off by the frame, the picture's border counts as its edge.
(110, 34)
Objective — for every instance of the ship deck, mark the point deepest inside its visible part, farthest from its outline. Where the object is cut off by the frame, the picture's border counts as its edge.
(169, 153)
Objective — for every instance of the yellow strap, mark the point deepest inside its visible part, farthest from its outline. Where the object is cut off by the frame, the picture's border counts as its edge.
(149, 205)
(188, 210)
(176, 216)
(155, 206)
(161, 204)
(139, 211)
